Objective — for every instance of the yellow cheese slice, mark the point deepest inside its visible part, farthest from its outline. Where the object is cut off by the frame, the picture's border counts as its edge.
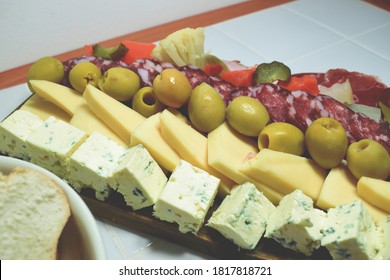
(340, 188)
(191, 146)
(286, 172)
(375, 191)
(87, 121)
(44, 108)
(65, 98)
(227, 150)
(149, 135)
(119, 117)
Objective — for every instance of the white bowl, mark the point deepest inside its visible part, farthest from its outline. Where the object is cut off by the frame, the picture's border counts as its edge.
(81, 237)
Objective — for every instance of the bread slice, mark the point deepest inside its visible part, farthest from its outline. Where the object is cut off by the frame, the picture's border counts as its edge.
(33, 212)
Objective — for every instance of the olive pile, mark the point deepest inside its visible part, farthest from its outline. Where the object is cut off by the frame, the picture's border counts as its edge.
(325, 140)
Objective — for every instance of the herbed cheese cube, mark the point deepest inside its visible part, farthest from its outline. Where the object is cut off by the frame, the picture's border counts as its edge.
(295, 224)
(242, 216)
(350, 233)
(14, 130)
(51, 145)
(187, 197)
(138, 178)
(92, 164)
(384, 228)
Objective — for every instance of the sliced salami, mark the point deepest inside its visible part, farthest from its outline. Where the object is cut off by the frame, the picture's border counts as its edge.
(224, 88)
(148, 69)
(102, 63)
(195, 75)
(301, 109)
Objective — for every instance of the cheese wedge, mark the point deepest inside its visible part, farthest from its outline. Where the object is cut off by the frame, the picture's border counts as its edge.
(340, 188)
(375, 191)
(65, 98)
(119, 117)
(191, 146)
(86, 120)
(285, 172)
(149, 135)
(227, 150)
(44, 108)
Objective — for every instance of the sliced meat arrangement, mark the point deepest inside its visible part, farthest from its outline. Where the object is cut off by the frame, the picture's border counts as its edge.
(297, 107)
(301, 109)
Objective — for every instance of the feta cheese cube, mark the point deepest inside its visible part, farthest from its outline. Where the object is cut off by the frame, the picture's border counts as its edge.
(295, 224)
(51, 145)
(138, 178)
(14, 130)
(187, 197)
(92, 164)
(242, 216)
(384, 228)
(350, 232)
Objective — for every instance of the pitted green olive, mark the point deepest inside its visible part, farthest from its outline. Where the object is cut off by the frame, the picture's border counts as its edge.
(46, 68)
(282, 137)
(326, 141)
(368, 158)
(120, 83)
(247, 115)
(172, 88)
(146, 103)
(82, 74)
(206, 108)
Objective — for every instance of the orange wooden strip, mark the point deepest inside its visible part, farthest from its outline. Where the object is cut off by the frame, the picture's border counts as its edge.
(384, 4)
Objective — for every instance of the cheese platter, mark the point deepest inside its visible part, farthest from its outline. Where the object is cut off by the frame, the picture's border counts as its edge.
(206, 240)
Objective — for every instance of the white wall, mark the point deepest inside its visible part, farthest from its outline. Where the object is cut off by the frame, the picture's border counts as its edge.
(32, 29)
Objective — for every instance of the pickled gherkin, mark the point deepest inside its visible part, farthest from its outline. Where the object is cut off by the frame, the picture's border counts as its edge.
(113, 53)
(270, 72)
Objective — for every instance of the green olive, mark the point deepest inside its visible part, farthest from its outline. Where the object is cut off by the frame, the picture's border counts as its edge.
(46, 68)
(120, 83)
(368, 158)
(282, 137)
(247, 115)
(206, 108)
(82, 74)
(326, 141)
(172, 88)
(146, 103)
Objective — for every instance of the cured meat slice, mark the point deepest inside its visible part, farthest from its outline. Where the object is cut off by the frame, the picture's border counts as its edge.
(301, 109)
(224, 88)
(367, 89)
(195, 75)
(102, 63)
(274, 98)
(357, 125)
(148, 69)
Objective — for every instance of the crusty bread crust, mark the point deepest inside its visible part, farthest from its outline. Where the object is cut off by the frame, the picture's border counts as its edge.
(33, 213)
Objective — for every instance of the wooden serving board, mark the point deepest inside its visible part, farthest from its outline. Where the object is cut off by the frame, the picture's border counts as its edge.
(208, 241)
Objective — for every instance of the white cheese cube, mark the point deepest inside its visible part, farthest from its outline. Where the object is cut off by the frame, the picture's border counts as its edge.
(384, 228)
(242, 216)
(14, 130)
(138, 178)
(295, 224)
(187, 197)
(92, 164)
(51, 145)
(350, 233)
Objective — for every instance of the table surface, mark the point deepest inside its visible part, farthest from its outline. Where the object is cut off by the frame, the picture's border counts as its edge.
(307, 35)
